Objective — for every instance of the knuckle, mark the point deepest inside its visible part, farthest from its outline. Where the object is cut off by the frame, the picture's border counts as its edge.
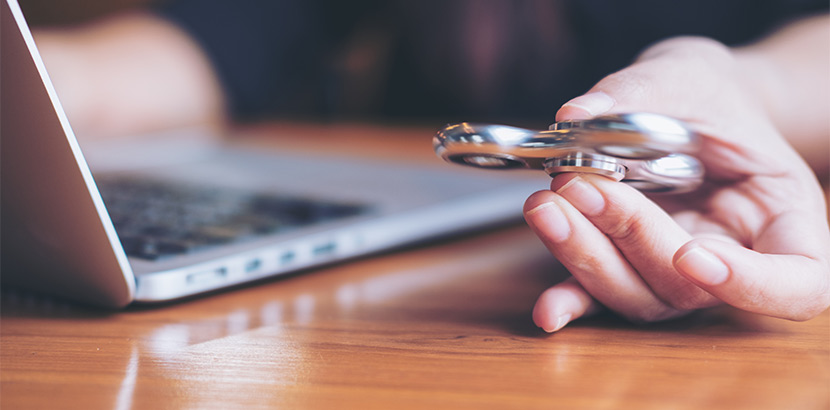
(819, 302)
(624, 227)
(628, 84)
(691, 46)
(797, 305)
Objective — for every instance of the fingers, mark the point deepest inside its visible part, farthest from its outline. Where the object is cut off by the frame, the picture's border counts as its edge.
(786, 276)
(563, 303)
(791, 283)
(593, 259)
(636, 260)
(645, 235)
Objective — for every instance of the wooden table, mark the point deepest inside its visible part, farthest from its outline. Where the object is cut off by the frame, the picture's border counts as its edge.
(441, 325)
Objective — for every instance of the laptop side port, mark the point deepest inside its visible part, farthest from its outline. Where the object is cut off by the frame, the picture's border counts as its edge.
(324, 249)
(207, 277)
(253, 265)
(287, 257)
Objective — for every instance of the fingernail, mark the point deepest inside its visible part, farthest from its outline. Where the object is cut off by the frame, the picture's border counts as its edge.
(561, 321)
(548, 218)
(594, 103)
(584, 196)
(703, 266)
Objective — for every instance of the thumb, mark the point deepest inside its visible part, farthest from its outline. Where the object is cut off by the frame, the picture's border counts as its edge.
(696, 80)
(671, 78)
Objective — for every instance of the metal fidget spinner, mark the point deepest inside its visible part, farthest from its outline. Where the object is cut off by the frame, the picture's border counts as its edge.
(648, 151)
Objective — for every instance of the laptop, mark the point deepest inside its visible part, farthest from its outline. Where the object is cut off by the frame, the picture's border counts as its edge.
(159, 219)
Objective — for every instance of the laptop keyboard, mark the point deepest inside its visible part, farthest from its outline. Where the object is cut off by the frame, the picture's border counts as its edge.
(157, 219)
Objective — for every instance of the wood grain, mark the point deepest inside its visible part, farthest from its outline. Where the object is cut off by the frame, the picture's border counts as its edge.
(441, 325)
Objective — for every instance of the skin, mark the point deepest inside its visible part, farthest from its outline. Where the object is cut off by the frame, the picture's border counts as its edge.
(755, 236)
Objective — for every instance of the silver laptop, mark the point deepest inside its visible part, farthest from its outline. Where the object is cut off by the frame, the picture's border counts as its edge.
(123, 222)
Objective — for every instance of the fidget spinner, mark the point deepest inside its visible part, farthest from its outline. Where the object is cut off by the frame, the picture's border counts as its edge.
(651, 152)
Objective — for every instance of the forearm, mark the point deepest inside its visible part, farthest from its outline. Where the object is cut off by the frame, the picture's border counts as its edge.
(789, 73)
(130, 74)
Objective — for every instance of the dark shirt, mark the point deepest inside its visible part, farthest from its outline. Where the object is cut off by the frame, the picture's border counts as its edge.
(472, 60)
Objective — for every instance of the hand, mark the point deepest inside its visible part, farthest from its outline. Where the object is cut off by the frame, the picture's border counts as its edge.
(755, 235)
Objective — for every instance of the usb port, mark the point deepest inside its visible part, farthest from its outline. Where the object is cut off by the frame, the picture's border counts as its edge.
(253, 265)
(207, 277)
(327, 248)
(287, 257)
